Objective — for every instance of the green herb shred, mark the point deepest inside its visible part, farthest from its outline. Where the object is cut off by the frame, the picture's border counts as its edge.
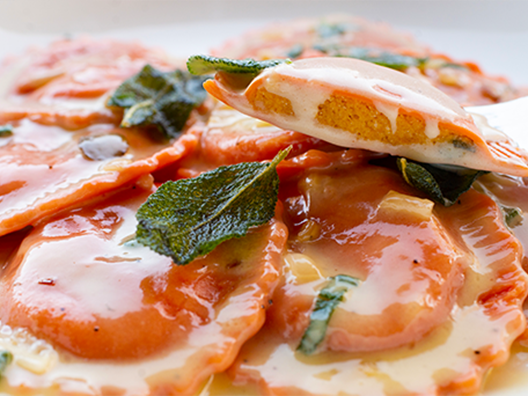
(325, 304)
(5, 359)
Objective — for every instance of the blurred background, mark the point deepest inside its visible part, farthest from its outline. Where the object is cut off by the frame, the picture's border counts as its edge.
(492, 32)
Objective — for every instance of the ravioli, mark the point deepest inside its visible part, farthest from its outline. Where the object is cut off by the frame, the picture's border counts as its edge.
(64, 149)
(66, 83)
(44, 169)
(439, 300)
(112, 308)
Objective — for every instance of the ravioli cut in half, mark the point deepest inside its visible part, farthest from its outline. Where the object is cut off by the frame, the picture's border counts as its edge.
(122, 317)
(457, 270)
(352, 103)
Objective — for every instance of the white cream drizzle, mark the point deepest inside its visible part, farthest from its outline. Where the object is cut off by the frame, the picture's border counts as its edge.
(431, 128)
(445, 355)
(379, 83)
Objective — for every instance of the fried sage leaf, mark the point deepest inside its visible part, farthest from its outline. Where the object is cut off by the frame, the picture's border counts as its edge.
(163, 99)
(189, 218)
(443, 184)
(325, 304)
(5, 358)
(204, 64)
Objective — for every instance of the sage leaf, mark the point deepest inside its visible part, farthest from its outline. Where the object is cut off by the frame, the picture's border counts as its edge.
(188, 218)
(387, 59)
(325, 304)
(163, 99)
(381, 58)
(5, 359)
(205, 64)
(443, 184)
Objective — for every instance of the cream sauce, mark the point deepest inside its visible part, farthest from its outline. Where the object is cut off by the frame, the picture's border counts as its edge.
(109, 297)
(44, 168)
(448, 353)
(365, 79)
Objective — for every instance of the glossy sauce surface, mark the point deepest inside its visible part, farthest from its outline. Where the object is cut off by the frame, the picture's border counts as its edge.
(447, 359)
(67, 83)
(55, 99)
(45, 169)
(231, 137)
(133, 324)
(113, 309)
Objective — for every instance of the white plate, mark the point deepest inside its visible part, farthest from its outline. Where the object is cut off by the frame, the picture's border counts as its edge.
(492, 33)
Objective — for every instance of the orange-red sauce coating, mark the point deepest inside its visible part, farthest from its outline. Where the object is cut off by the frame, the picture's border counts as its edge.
(429, 278)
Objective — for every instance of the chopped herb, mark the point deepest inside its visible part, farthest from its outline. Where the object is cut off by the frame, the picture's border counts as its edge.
(381, 58)
(455, 65)
(189, 218)
(6, 130)
(295, 51)
(438, 63)
(329, 49)
(204, 64)
(325, 304)
(387, 59)
(512, 216)
(6, 358)
(443, 184)
(463, 144)
(326, 30)
(163, 99)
